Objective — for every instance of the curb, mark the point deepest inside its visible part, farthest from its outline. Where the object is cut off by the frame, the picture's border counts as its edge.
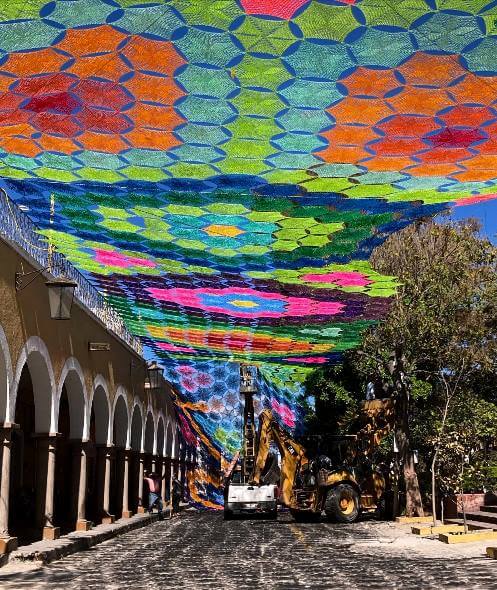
(47, 551)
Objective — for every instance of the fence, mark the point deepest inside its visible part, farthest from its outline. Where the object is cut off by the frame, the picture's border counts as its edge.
(16, 227)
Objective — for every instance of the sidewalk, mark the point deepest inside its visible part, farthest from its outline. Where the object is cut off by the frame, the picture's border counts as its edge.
(47, 551)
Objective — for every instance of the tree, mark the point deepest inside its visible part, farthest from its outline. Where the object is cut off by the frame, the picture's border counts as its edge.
(441, 328)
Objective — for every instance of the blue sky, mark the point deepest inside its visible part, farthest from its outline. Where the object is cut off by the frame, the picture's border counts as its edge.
(485, 211)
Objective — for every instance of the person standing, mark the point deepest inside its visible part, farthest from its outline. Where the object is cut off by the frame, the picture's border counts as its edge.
(153, 482)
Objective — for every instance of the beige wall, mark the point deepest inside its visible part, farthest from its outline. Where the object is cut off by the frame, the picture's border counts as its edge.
(57, 351)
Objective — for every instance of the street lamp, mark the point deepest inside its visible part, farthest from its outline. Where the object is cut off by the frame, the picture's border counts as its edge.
(60, 297)
(154, 375)
(60, 292)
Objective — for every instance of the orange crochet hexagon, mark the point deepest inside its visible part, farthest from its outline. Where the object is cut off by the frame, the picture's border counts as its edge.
(100, 39)
(360, 110)
(340, 154)
(349, 134)
(431, 70)
(482, 161)
(34, 62)
(468, 116)
(488, 147)
(475, 89)
(20, 145)
(52, 143)
(154, 88)
(478, 175)
(408, 125)
(152, 139)
(153, 56)
(161, 117)
(370, 82)
(444, 155)
(109, 66)
(397, 146)
(387, 164)
(101, 142)
(424, 101)
(433, 169)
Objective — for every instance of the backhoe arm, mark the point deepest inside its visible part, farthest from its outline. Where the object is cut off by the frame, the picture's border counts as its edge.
(292, 454)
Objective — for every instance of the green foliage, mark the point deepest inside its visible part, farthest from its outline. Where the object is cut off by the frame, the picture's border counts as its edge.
(336, 390)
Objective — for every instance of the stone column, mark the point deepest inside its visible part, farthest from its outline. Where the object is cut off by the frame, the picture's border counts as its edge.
(47, 455)
(107, 518)
(141, 506)
(7, 543)
(154, 462)
(81, 523)
(164, 478)
(127, 513)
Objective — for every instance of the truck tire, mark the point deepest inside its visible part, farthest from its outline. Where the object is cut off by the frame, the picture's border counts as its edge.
(273, 515)
(342, 503)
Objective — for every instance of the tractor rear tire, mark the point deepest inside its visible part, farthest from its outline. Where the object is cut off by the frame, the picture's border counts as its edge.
(342, 504)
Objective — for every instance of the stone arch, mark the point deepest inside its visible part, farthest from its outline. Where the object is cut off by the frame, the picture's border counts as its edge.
(161, 437)
(169, 439)
(148, 439)
(34, 354)
(136, 432)
(120, 421)
(73, 382)
(5, 377)
(100, 407)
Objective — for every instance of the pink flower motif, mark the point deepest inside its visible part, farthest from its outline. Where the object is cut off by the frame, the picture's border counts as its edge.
(284, 412)
(204, 380)
(311, 360)
(186, 370)
(343, 279)
(247, 303)
(186, 431)
(173, 347)
(121, 260)
(279, 8)
(189, 384)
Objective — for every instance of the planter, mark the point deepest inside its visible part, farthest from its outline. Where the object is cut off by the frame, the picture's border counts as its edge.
(453, 504)
(426, 531)
(472, 537)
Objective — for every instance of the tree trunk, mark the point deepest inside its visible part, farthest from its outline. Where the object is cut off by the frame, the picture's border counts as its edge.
(414, 505)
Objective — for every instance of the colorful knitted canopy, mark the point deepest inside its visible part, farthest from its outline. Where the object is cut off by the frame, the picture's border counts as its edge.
(222, 169)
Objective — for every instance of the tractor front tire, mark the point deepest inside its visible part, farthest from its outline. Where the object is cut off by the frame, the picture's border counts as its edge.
(342, 504)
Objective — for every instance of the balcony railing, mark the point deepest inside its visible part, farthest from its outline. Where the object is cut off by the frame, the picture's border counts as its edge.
(16, 227)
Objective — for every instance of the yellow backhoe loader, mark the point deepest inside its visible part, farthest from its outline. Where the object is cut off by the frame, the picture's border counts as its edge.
(342, 485)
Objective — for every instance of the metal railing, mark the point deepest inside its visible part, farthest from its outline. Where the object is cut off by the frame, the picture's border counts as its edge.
(17, 228)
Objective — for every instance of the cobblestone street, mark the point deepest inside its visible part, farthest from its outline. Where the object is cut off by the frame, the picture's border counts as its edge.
(201, 551)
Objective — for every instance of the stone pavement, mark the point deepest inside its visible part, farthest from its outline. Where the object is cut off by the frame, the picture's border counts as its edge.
(200, 551)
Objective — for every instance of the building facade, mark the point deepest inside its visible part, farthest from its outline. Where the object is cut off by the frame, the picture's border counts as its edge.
(78, 426)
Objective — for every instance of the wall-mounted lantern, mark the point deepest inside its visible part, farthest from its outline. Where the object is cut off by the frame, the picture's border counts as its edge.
(154, 375)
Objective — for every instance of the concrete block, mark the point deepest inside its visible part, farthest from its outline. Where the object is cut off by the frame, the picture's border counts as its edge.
(127, 514)
(109, 519)
(141, 510)
(8, 544)
(492, 552)
(424, 531)
(472, 537)
(83, 525)
(50, 533)
(413, 519)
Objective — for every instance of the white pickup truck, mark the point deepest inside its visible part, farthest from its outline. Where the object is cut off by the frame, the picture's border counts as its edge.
(242, 498)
